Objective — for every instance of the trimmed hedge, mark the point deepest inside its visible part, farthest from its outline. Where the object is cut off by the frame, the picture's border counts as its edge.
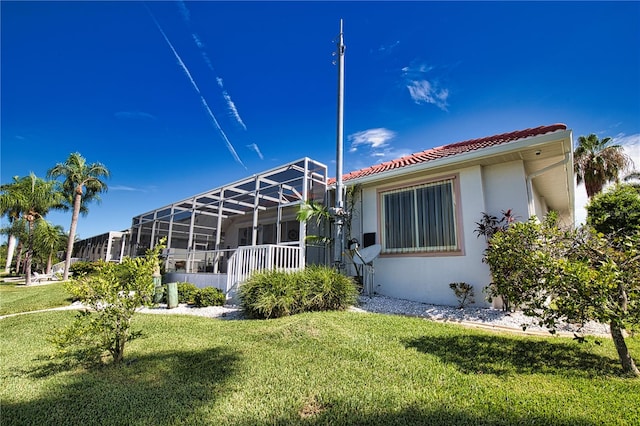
(199, 297)
(187, 293)
(208, 296)
(273, 294)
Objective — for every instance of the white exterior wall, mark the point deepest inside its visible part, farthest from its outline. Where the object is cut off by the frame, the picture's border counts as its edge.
(426, 278)
(506, 188)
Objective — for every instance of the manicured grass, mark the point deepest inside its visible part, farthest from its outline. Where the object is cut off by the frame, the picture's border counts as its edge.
(316, 368)
(20, 298)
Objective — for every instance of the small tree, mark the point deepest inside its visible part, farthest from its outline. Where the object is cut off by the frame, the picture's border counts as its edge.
(113, 293)
(599, 281)
(572, 276)
(49, 239)
(464, 292)
(521, 259)
(615, 211)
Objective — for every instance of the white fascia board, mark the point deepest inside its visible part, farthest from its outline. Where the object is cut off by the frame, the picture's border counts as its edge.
(509, 147)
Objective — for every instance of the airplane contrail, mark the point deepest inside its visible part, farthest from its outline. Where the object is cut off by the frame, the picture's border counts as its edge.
(186, 15)
(197, 89)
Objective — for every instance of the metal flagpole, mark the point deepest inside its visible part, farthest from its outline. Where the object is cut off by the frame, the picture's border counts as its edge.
(338, 211)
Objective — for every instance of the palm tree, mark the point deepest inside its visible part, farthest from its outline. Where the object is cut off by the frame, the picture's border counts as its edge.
(16, 231)
(33, 197)
(13, 214)
(49, 239)
(596, 162)
(82, 184)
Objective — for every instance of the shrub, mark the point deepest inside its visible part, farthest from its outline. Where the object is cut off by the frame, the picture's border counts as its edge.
(114, 293)
(521, 259)
(209, 296)
(464, 293)
(187, 293)
(84, 268)
(273, 294)
(616, 211)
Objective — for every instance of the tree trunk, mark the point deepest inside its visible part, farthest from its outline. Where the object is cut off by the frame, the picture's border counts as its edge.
(11, 248)
(19, 258)
(27, 279)
(628, 366)
(49, 263)
(72, 232)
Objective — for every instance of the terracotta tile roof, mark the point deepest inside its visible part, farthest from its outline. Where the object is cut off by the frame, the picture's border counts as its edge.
(450, 150)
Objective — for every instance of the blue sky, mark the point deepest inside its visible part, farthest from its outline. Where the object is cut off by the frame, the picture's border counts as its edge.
(179, 97)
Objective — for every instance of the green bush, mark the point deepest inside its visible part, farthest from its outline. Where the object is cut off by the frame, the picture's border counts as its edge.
(187, 293)
(616, 211)
(273, 294)
(209, 296)
(84, 268)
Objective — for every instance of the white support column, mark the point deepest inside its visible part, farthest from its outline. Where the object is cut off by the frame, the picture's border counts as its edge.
(190, 242)
(152, 244)
(107, 255)
(279, 217)
(123, 243)
(216, 264)
(170, 227)
(137, 245)
(302, 233)
(256, 204)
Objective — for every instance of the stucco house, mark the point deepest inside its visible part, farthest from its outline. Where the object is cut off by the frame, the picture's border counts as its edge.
(422, 209)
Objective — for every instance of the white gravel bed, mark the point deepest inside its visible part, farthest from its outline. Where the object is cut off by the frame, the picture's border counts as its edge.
(222, 312)
(482, 316)
(488, 317)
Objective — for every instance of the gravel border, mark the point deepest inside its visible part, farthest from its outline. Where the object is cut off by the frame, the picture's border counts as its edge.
(478, 317)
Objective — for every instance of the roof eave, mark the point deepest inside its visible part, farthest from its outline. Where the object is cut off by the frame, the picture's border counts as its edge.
(466, 157)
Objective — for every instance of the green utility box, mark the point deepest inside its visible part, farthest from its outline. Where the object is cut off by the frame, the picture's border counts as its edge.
(172, 295)
(158, 293)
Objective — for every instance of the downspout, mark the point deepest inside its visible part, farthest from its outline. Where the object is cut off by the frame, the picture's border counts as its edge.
(530, 201)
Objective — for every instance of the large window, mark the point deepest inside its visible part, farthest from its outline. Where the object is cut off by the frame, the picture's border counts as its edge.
(420, 218)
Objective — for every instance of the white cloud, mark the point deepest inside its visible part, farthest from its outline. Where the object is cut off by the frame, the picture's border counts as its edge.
(387, 47)
(631, 146)
(125, 188)
(134, 115)
(374, 138)
(230, 104)
(422, 91)
(256, 148)
(197, 40)
(415, 71)
(186, 15)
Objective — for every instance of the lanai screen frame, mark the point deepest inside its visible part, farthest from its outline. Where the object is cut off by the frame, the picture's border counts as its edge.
(288, 185)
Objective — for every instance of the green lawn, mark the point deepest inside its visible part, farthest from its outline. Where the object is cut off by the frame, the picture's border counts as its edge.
(20, 298)
(316, 369)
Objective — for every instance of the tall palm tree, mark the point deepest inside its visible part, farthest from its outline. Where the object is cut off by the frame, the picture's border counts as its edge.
(33, 197)
(596, 162)
(49, 239)
(82, 184)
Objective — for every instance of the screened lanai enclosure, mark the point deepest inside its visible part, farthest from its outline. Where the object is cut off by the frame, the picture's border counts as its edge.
(220, 236)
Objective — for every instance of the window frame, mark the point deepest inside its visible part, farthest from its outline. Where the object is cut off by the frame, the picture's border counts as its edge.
(407, 186)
